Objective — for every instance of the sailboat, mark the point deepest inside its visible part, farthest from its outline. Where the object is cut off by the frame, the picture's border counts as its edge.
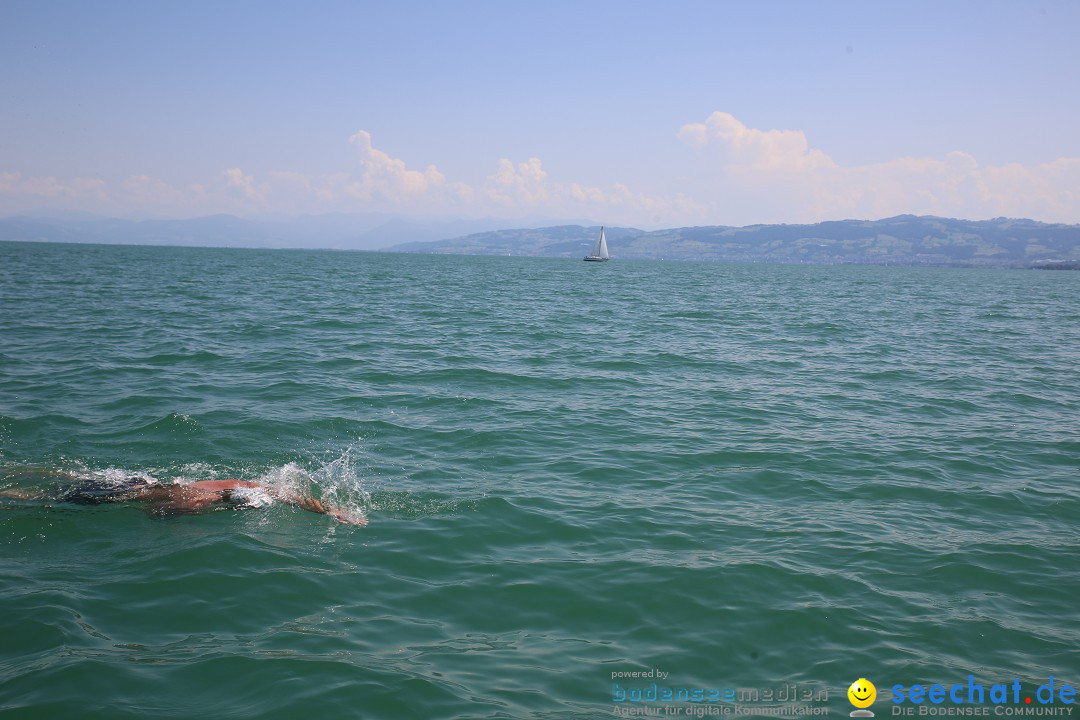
(599, 253)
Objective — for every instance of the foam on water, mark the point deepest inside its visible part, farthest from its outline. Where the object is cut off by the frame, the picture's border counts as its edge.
(336, 483)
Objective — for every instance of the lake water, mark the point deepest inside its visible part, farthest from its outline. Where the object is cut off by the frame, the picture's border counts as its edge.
(741, 476)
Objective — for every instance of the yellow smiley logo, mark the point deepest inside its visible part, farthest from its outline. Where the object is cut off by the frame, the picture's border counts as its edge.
(862, 693)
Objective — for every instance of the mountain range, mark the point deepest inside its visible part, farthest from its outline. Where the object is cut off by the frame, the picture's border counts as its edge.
(901, 240)
(371, 231)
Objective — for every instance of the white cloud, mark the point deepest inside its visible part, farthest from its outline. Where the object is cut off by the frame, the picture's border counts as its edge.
(526, 184)
(388, 178)
(776, 176)
(385, 182)
(731, 174)
(88, 187)
(237, 178)
(784, 150)
(13, 183)
(527, 187)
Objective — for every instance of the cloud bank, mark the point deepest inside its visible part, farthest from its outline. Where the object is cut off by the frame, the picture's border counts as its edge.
(734, 175)
(776, 173)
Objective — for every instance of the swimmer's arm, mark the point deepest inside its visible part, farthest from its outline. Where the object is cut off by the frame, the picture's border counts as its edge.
(177, 498)
(318, 506)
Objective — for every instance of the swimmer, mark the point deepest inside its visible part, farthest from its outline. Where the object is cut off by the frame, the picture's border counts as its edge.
(181, 498)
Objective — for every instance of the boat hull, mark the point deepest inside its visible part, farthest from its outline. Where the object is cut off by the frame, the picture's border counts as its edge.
(593, 258)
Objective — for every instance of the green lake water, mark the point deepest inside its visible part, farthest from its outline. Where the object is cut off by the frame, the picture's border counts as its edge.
(743, 476)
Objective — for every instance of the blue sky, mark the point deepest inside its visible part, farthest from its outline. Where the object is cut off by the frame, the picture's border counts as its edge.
(629, 113)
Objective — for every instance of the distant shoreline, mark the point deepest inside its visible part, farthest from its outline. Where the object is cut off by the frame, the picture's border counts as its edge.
(908, 240)
(902, 240)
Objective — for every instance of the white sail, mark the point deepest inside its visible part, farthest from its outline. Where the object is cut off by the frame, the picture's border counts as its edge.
(600, 251)
(601, 246)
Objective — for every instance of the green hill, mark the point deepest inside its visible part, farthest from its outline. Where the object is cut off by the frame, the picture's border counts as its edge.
(902, 240)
